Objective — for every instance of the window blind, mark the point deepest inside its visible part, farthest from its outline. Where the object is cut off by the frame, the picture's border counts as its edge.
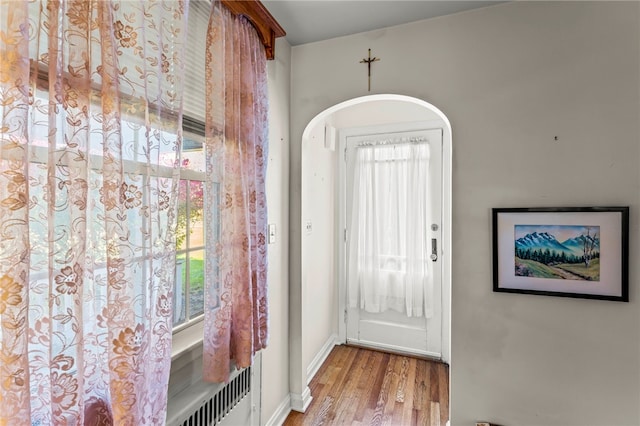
(194, 98)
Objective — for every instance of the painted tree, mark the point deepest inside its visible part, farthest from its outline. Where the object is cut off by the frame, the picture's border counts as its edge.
(588, 246)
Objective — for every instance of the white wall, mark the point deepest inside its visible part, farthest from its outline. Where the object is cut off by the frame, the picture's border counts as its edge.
(381, 112)
(510, 78)
(320, 313)
(275, 359)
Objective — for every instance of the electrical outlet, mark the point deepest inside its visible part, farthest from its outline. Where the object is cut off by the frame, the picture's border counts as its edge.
(483, 424)
(309, 227)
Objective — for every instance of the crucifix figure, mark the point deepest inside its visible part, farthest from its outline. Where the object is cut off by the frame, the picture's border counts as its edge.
(368, 61)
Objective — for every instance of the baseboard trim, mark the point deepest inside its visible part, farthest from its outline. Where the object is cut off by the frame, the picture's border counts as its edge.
(281, 413)
(301, 402)
(321, 357)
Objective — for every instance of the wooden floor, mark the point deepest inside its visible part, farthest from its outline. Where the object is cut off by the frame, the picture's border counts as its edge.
(358, 386)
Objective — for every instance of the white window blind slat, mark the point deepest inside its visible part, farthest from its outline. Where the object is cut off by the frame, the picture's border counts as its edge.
(194, 87)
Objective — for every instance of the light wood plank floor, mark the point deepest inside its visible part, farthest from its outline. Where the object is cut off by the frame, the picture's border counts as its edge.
(358, 386)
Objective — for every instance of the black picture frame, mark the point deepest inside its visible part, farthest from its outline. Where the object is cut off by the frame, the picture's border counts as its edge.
(579, 252)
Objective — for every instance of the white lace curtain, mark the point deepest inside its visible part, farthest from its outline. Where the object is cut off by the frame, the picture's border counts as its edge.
(388, 254)
(90, 138)
(91, 96)
(237, 149)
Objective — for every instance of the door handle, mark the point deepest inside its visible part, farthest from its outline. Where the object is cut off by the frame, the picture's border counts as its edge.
(434, 249)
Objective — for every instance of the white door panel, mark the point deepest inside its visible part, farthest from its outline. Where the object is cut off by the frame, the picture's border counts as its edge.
(390, 329)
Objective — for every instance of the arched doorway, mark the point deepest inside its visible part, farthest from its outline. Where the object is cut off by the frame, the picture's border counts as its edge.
(321, 312)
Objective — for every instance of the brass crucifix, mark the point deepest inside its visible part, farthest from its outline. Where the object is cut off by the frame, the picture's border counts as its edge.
(368, 61)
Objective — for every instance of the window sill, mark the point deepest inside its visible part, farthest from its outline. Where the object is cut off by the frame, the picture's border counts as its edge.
(187, 340)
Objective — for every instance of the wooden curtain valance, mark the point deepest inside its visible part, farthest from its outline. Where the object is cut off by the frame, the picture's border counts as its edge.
(266, 25)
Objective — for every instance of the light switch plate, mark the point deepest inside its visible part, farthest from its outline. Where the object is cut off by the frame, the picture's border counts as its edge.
(271, 230)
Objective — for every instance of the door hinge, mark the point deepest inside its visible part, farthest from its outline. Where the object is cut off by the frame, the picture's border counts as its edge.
(345, 235)
(346, 314)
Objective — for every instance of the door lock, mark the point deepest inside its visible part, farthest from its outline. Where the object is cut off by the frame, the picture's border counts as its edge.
(434, 249)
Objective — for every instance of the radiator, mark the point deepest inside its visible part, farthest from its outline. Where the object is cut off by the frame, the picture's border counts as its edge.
(216, 404)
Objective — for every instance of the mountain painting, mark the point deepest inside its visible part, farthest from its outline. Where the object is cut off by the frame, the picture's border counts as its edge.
(558, 252)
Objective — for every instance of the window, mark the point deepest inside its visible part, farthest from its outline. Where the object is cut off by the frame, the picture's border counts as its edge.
(189, 294)
(189, 282)
(96, 183)
(88, 160)
(188, 298)
(189, 287)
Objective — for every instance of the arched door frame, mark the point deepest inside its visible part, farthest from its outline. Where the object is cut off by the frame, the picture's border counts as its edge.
(300, 394)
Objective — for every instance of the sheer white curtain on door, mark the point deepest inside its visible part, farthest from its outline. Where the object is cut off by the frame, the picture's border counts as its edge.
(389, 247)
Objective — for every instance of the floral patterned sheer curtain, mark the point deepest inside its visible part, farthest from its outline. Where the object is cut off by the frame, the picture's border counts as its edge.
(236, 151)
(90, 103)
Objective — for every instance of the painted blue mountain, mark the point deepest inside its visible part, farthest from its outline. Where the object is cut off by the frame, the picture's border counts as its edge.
(541, 240)
(544, 240)
(576, 244)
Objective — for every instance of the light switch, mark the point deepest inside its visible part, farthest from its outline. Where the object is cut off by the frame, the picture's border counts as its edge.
(271, 230)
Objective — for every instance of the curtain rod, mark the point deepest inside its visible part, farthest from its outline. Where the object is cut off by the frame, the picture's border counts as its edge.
(396, 141)
(265, 24)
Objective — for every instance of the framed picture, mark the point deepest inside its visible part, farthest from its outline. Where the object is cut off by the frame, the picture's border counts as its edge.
(569, 252)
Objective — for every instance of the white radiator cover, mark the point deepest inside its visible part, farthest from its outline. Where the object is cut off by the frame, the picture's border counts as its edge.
(212, 404)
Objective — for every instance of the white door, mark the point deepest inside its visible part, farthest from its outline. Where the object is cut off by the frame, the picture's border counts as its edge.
(393, 316)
